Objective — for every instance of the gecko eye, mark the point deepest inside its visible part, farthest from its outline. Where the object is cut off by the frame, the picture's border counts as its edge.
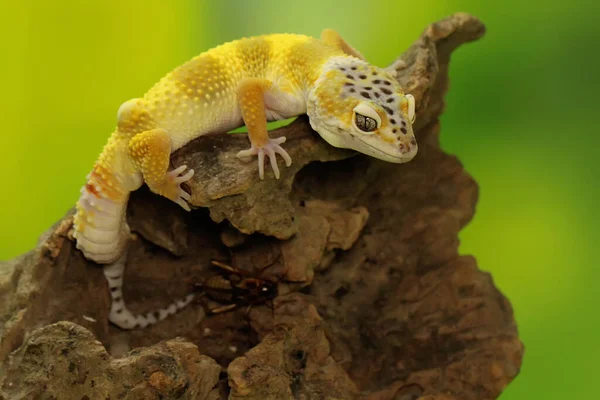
(365, 124)
(411, 107)
(366, 119)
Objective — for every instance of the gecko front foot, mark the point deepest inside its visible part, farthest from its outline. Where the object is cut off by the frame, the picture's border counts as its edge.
(172, 189)
(271, 148)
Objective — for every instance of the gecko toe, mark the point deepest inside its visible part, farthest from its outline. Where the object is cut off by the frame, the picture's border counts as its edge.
(188, 175)
(183, 204)
(247, 153)
(185, 195)
(179, 170)
(261, 164)
(273, 161)
(284, 154)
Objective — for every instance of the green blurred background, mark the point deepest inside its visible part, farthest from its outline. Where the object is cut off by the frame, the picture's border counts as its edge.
(521, 116)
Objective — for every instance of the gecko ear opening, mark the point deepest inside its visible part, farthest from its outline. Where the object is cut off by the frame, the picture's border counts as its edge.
(411, 107)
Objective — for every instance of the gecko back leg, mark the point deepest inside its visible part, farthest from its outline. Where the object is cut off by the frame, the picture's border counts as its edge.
(149, 149)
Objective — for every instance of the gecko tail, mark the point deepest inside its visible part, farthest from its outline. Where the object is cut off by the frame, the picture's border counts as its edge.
(120, 315)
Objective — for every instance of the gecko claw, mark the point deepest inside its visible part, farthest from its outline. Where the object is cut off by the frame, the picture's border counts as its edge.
(271, 149)
(184, 204)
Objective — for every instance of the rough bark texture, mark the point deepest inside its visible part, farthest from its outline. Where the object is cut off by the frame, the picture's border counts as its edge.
(375, 303)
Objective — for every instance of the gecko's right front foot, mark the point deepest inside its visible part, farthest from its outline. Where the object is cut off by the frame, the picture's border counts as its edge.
(271, 148)
(172, 186)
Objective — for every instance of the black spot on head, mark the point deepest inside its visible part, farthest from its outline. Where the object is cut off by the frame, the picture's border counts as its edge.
(388, 110)
(376, 94)
(114, 288)
(403, 130)
(368, 88)
(403, 123)
(350, 77)
(386, 91)
(387, 83)
(377, 81)
(348, 84)
(365, 95)
(352, 90)
(117, 299)
(353, 68)
(362, 76)
(119, 311)
(413, 141)
(156, 315)
(342, 69)
(390, 100)
(394, 130)
(393, 121)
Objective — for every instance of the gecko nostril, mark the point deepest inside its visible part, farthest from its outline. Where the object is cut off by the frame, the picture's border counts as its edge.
(413, 141)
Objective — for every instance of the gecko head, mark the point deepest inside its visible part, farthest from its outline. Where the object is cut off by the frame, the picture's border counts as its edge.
(358, 106)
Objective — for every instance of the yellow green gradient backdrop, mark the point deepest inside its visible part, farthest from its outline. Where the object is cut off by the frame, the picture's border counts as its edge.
(521, 116)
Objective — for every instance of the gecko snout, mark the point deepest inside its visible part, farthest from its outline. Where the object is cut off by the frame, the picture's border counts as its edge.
(408, 146)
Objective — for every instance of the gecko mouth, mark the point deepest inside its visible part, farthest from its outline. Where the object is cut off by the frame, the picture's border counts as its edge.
(394, 153)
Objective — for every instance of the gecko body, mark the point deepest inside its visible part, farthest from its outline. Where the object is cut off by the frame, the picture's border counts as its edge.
(350, 103)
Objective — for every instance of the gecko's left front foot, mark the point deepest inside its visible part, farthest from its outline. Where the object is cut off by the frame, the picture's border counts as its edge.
(271, 148)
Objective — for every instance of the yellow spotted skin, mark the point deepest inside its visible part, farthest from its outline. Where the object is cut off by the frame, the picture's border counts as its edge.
(200, 97)
(247, 81)
(149, 151)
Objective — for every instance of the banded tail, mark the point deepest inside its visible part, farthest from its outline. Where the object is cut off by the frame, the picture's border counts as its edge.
(120, 315)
